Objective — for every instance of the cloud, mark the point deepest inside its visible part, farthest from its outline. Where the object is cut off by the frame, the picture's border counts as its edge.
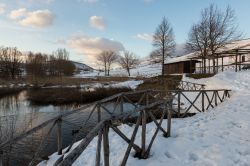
(38, 18)
(90, 47)
(15, 14)
(2, 8)
(97, 22)
(145, 36)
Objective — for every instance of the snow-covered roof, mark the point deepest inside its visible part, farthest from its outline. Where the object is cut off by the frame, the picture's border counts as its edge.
(245, 43)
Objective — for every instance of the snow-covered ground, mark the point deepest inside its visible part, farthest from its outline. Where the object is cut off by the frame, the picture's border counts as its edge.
(218, 137)
(144, 70)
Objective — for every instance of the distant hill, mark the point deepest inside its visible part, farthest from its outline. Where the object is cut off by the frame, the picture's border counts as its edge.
(82, 68)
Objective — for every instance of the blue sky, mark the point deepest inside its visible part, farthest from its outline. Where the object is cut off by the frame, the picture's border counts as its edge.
(85, 27)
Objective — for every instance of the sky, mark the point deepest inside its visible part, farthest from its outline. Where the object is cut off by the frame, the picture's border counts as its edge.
(86, 27)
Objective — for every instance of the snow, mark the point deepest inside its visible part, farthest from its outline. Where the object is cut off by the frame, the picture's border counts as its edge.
(143, 70)
(218, 137)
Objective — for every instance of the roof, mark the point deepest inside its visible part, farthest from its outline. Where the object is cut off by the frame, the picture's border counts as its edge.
(239, 44)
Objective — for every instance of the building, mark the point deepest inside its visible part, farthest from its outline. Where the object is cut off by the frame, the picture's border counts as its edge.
(180, 67)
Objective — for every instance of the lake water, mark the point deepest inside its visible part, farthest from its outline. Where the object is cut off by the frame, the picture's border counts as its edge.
(17, 115)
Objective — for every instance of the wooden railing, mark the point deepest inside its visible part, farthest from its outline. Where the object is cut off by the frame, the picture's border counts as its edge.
(178, 103)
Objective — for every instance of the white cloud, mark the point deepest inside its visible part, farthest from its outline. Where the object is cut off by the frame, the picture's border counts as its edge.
(145, 36)
(2, 8)
(15, 14)
(90, 47)
(38, 18)
(97, 22)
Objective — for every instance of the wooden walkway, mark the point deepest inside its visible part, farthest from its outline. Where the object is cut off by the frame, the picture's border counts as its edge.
(145, 105)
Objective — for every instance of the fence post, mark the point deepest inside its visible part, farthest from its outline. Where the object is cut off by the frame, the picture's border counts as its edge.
(169, 121)
(143, 132)
(99, 141)
(202, 102)
(179, 103)
(106, 144)
(1, 158)
(215, 97)
(59, 136)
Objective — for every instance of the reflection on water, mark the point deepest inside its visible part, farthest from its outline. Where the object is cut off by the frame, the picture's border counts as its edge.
(18, 115)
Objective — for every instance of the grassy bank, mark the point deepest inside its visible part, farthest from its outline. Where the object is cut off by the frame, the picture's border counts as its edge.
(9, 91)
(61, 81)
(199, 76)
(61, 96)
(160, 83)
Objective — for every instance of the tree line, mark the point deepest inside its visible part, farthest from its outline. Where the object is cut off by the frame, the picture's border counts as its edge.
(13, 63)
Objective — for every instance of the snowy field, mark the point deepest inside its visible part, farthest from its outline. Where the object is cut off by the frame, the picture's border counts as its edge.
(143, 70)
(218, 137)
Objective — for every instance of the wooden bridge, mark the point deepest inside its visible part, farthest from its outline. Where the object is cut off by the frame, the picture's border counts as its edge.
(146, 106)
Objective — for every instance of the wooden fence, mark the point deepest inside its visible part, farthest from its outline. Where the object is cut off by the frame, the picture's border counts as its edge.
(173, 102)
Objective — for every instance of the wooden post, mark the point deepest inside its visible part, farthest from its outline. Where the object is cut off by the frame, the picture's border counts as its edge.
(240, 62)
(202, 102)
(1, 158)
(215, 97)
(169, 122)
(106, 145)
(222, 64)
(98, 150)
(99, 113)
(179, 103)
(59, 136)
(143, 133)
(236, 61)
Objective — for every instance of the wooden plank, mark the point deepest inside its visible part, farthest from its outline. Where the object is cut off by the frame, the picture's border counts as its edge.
(154, 136)
(76, 152)
(143, 132)
(157, 124)
(169, 123)
(106, 144)
(59, 136)
(125, 138)
(124, 161)
(98, 150)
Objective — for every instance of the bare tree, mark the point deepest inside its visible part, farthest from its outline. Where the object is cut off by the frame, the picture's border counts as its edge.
(198, 41)
(128, 60)
(107, 58)
(36, 64)
(163, 40)
(10, 62)
(215, 29)
(60, 63)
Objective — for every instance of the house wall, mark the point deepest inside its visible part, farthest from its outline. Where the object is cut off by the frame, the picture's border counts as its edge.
(179, 67)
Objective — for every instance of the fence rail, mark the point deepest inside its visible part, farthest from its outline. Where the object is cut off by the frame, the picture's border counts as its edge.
(145, 104)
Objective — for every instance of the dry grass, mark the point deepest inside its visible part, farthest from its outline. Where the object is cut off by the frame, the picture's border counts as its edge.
(62, 96)
(9, 91)
(157, 83)
(199, 76)
(63, 81)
